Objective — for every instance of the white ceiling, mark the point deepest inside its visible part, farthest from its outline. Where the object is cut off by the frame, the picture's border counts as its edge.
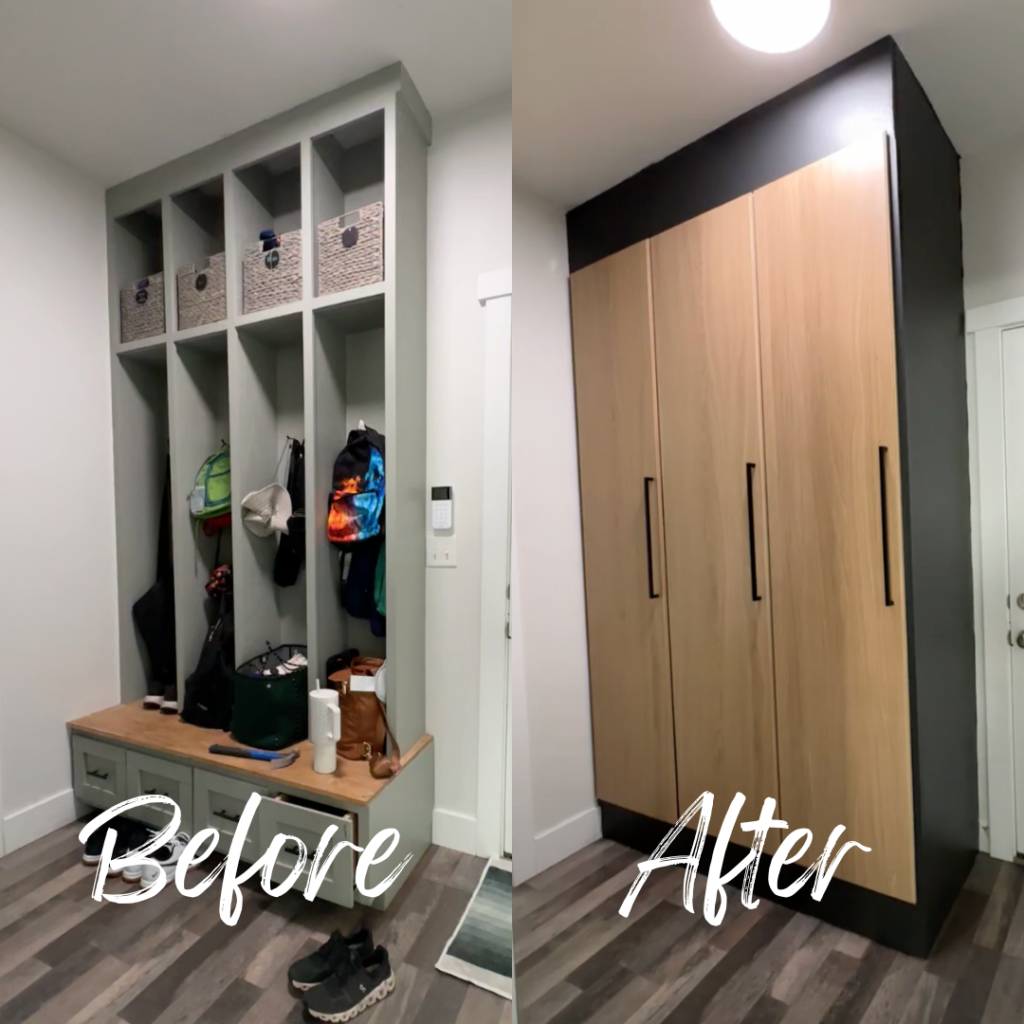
(116, 87)
(605, 87)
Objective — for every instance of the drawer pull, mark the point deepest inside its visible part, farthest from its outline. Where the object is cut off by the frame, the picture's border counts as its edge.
(154, 792)
(97, 774)
(292, 849)
(228, 817)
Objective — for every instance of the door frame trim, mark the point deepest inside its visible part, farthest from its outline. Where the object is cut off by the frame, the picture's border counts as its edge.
(998, 794)
(494, 294)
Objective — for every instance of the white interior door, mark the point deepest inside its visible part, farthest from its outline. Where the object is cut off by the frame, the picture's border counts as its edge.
(1013, 433)
(495, 294)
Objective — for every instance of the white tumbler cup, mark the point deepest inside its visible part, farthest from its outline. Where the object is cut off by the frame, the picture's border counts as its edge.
(324, 729)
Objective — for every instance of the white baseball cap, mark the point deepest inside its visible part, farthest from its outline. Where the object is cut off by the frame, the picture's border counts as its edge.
(267, 510)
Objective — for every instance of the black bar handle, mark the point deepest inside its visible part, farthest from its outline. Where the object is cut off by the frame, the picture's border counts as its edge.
(97, 774)
(751, 531)
(648, 480)
(883, 455)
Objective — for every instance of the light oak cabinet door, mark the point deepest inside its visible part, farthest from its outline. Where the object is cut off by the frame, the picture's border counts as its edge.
(627, 628)
(832, 444)
(716, 539)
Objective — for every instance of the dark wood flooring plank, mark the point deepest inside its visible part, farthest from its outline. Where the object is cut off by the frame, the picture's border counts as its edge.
(209, 979)
(995, 921)
(660, 939)
(553, 907)
(753, 980)
(78, 935)
(556, 880)
(39, 876)
(149, 1004)
(443, 1002)
(548, 1005)
(669, 995)
(19, 978)
(467, 874)
(589, 1002)
(481, 1007)
(897, 988)
(823, 989)
(852, 1003)
(550, 964)
(692, 1008)
(50, 985)
(967, 1003)
(633, 939)
(43, 893)
(232, 1004)
(1006, 1000)
(42, 851)
(625, 1002)
(954, 946)
(803, 964)
(411, 987)
(983, 875)
(766, 1011)
(438, 929)
(82, 992)
(1014, 945)
(928, 1002)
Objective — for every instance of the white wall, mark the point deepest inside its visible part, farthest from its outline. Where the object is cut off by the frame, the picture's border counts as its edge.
(992, 182)
(469, 234)
(58, 623)
(550, 611)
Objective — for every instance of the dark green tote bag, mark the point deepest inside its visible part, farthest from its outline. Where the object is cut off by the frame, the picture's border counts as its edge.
(271, 708)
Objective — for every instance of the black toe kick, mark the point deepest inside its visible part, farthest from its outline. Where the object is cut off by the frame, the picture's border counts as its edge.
(906, 927)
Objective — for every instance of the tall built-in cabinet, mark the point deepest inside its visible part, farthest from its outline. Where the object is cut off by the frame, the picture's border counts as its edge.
(764, 508)
(311, 368)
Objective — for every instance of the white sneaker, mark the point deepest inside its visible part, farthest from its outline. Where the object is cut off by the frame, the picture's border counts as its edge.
(166, 858)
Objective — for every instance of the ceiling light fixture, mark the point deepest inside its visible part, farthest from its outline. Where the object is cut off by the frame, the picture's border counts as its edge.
(772, 26)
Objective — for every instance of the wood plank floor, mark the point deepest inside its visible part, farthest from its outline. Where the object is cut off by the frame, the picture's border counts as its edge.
(579, 962)
(66, 959)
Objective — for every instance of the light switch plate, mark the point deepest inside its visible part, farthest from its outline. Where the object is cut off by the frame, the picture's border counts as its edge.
(441, 551)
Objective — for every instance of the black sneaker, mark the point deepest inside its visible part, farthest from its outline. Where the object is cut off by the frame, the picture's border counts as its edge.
(354, 988)
(316, 968)
(130, 836)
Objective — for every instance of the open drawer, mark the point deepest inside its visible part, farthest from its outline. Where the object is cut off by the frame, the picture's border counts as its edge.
(308, 822)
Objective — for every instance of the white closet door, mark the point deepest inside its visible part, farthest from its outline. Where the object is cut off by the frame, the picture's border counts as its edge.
(1013, 406)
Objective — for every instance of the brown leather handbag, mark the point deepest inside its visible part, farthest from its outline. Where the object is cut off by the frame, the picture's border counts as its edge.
(364, 721)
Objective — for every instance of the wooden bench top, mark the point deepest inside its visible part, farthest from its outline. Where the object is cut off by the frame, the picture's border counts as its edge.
(167, 735)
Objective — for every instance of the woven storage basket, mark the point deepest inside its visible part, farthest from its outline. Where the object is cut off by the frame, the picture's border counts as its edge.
(274, 277)
(351, 249)
(142, 309)
(202, 293)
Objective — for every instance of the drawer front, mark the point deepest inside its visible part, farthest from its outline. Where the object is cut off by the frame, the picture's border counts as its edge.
(279, 816)
(218, 802)
(98, 771)
(147, 775)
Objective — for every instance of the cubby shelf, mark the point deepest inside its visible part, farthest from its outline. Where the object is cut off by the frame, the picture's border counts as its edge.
(310, 368)
(146, 348)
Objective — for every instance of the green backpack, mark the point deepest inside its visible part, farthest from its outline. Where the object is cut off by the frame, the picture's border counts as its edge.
(211, 496)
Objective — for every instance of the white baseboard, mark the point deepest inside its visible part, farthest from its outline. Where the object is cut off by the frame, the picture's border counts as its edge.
(555, 844)
(455, 831)
(32, 823)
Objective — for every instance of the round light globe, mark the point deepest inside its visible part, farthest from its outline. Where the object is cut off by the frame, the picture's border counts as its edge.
(772, 26)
